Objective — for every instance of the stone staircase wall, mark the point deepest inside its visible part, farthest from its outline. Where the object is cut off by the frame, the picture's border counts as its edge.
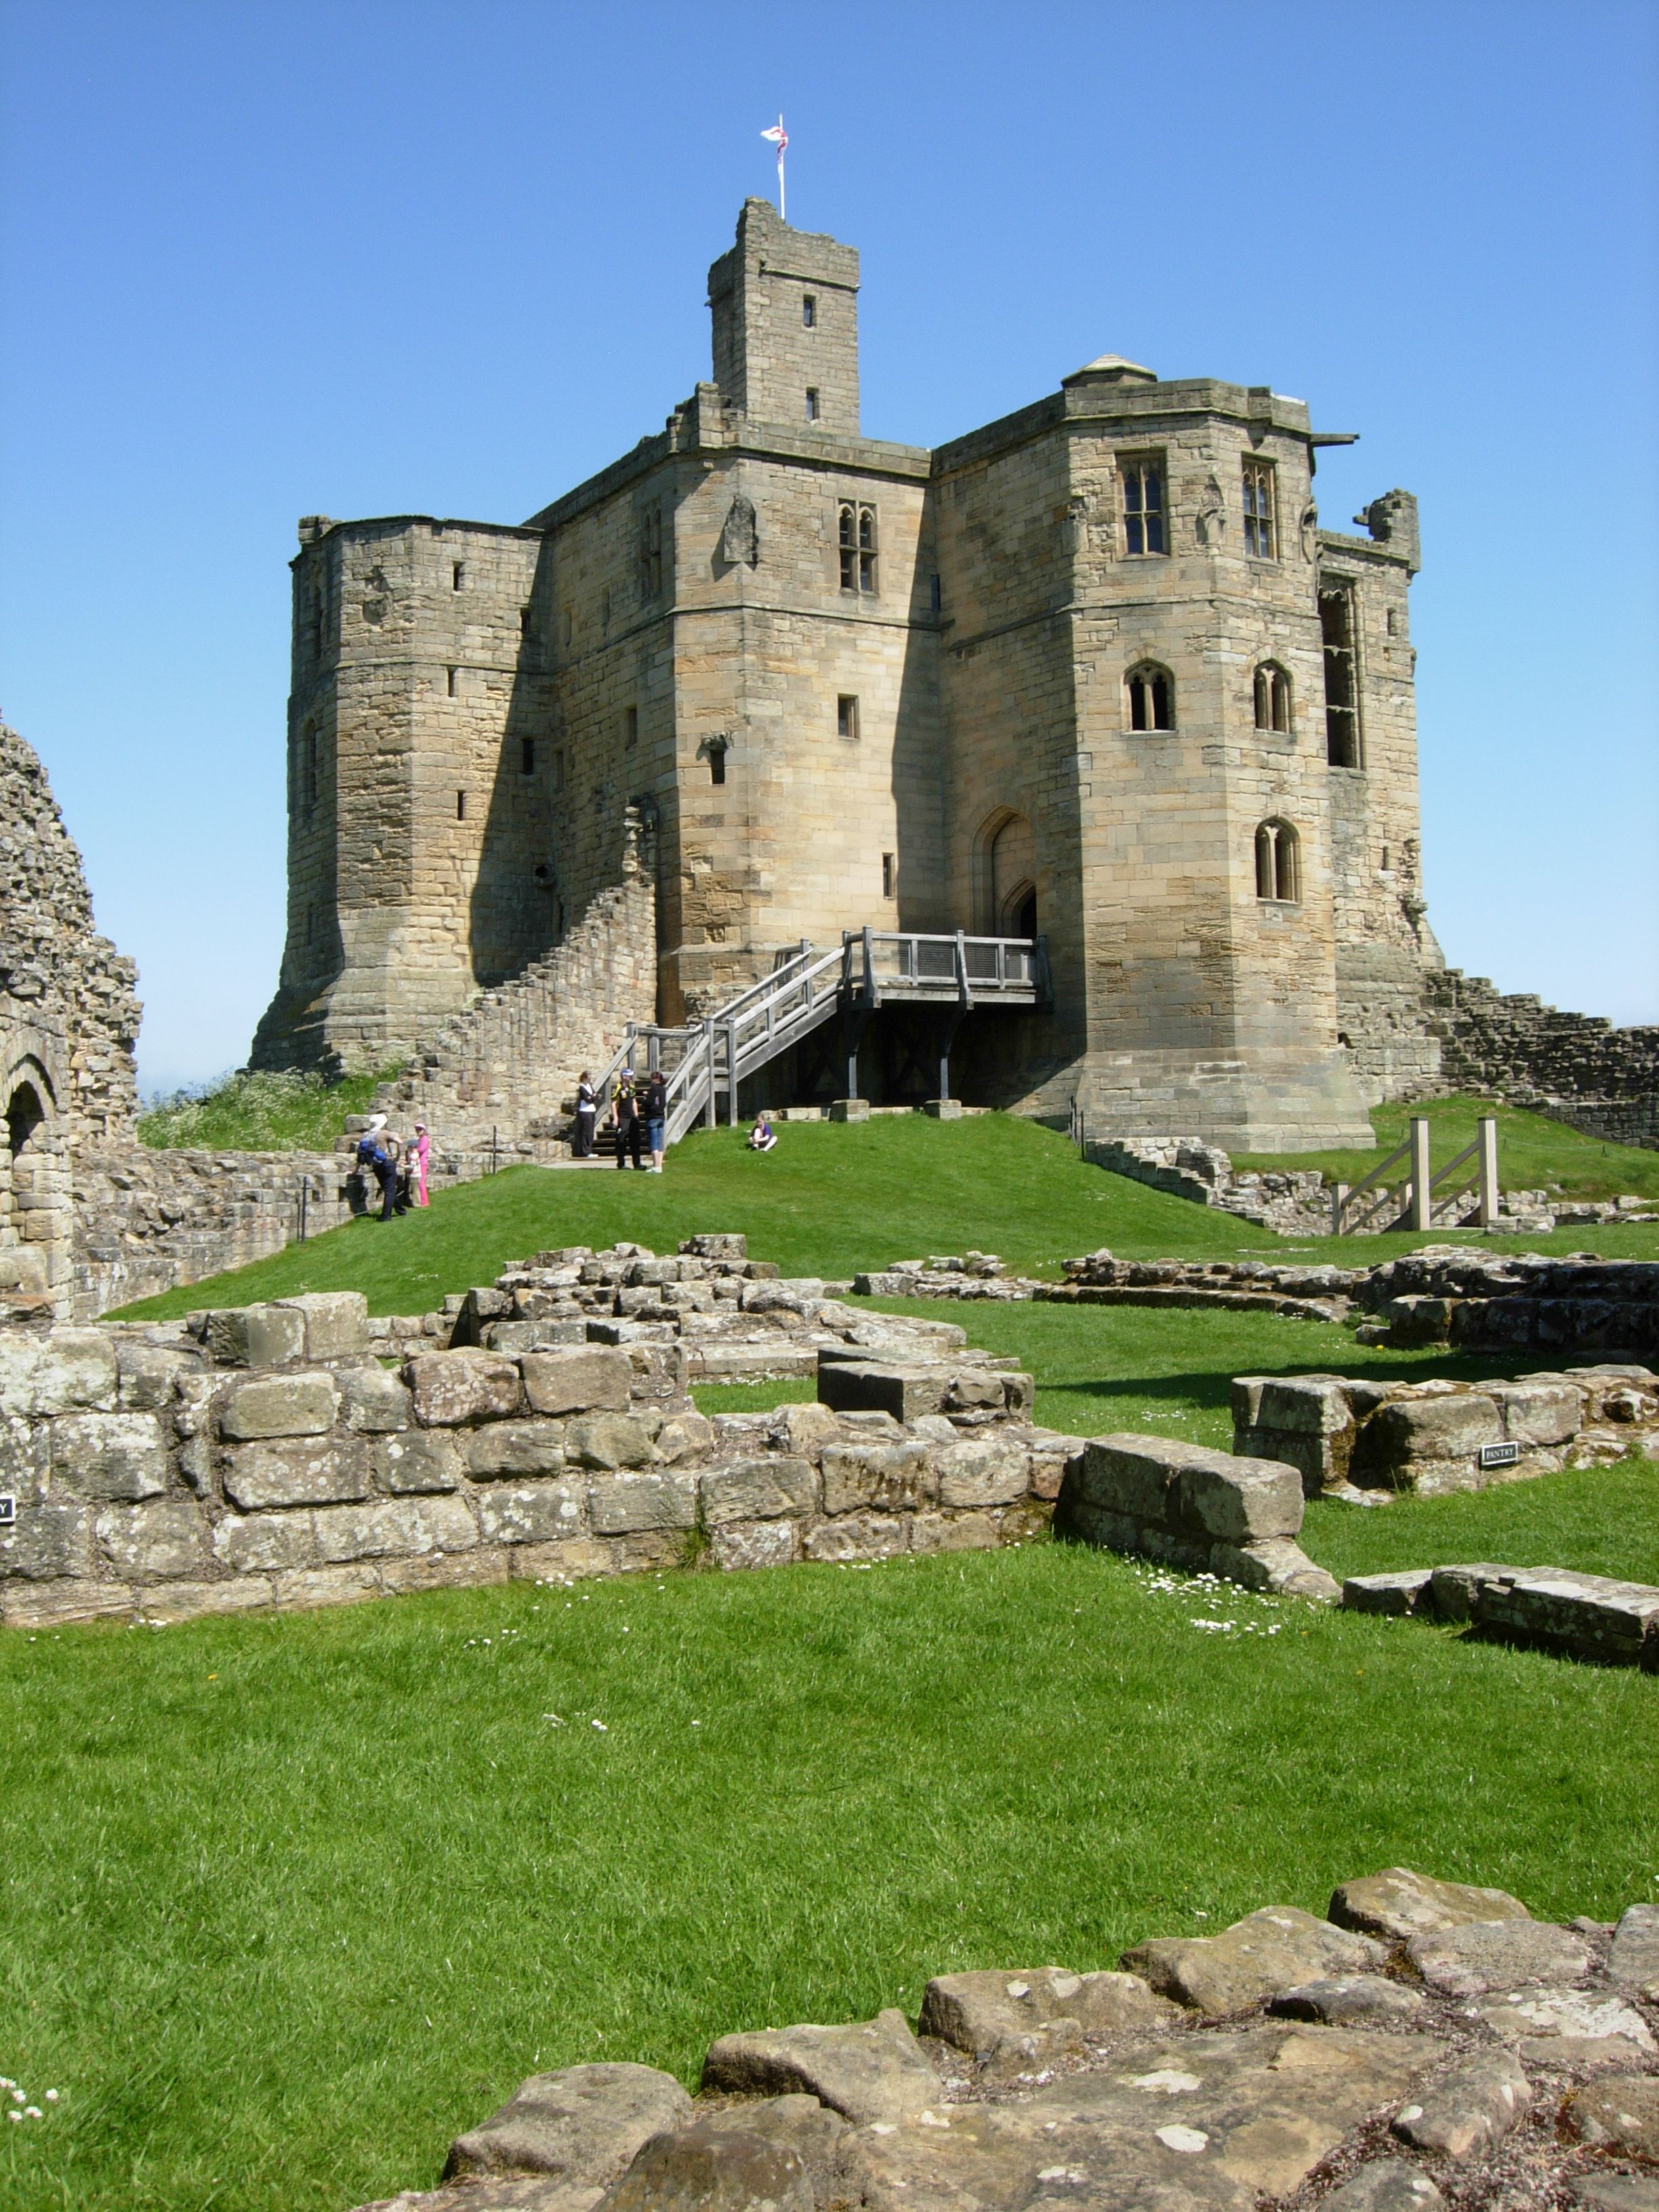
(1578, 1068)
(492, 1085)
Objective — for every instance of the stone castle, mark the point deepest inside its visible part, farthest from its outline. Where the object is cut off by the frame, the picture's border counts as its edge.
(1094, 672)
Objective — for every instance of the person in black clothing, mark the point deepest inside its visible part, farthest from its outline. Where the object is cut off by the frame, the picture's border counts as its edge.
(588, 1114)
(625, 1114)
(374, 1159)
(653, 1111)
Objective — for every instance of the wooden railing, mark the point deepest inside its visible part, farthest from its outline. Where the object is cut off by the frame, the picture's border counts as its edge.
(1414, 1200)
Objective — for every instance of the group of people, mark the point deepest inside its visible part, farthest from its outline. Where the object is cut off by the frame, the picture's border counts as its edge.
(398, 1164)
(638, 1112)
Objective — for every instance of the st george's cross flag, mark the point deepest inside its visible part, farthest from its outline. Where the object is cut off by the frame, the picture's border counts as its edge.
(779, 137)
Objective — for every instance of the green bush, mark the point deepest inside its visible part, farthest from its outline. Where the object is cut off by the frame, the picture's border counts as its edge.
(258, 1111)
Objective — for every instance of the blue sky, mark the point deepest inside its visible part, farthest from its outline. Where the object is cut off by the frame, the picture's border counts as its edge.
(359, 257)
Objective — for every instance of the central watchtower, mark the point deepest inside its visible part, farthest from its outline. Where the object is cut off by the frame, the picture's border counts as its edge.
(786, 309)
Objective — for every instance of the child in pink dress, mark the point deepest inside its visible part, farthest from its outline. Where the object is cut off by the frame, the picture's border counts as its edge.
(418, 1150)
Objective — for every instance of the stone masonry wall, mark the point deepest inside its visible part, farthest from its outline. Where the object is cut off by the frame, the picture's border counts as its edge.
(1578, 1068)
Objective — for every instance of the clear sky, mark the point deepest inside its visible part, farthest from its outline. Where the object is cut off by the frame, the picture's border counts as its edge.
(365, 257)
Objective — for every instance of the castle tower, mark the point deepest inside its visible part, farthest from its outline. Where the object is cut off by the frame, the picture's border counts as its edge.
(786, 309)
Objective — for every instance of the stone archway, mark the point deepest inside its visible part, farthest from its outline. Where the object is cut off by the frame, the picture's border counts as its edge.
(35, 1212)
(1005, 897)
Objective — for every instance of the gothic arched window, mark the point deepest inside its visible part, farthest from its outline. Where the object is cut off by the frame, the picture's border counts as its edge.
(1151, 697)
(1279, 863)
(1272, 698)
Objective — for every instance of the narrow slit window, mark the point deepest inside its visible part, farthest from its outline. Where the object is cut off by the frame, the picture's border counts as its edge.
(809, 312)
(460, 806)
(650, 549)
(1336, 623)
(631, 728)
(1151, 697)
(527, 757)
(1260, 525)
(308, 770)
(1272, 698)
(846, 717)
(1144, 507)
(717, 761)
(888, 875)
(811, 403)
(458, 576)
(934, 599)
(523, 621)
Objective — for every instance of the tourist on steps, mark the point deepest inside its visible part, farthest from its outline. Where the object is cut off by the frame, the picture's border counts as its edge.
(625, 1119)
(763, 1136)
(654, 1106)
(588, 1116)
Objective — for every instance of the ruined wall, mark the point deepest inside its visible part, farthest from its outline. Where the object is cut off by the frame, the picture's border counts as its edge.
(1577, 1067)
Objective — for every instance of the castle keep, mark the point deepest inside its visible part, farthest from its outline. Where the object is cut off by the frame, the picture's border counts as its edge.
(1093, 673)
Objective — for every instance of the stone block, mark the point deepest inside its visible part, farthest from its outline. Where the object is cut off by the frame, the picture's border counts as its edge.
(171, 1602)
(975, 1389)
(773, 1486)
(487, 1563)
(1469, 2111)
(256, 1336)
(110, 1455)
(1409, 1431)
(391, 1528)
(279, 1405)
(69, 1370)
(60, 1604)
(684, 1436)
(1278, 1947)
(1620, 2114)
(1470, 1960)
(856, 1536)
(1348, 2001)
(1138, 1477)
(712, 1244)
(1239, 1500)
(608, 1440)
(866, 1386)
(579, 1559)
(657, 1374)
(982, 1471)
(1537, 1412)
(149, 1375)
(1592, 1615)
(1314, 1405)
(577, 1379)
(453, 1389)
(51, 1537)
(1274, 1563)
(955, 1532)
(295, 1474)
(868, 2071)
(1385, 2184)
(1404, 1592)
(264, 1543)
(374, 1401)
(739, 1543)
(417, 1461)
(880, 1478)
(533, 1512)
(849, 1109)
(514, 1339)
(1453, 1590)
(514, 1448)
(335, 1322)
(582, 2125)
(158, 1542)
(307, 1587)
(622, 1503)
(1634, 1957)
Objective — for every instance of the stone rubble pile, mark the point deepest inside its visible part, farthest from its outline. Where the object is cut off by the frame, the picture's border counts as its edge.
(1348, 1438)
(1428, 2044)
(1551, 1609)
(265, 1456)
(1293, 1204)
(1300, 1293)
(1444, 1294)
(949, 1275)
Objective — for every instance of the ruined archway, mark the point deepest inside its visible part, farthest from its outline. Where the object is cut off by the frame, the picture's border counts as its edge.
(35, 1192)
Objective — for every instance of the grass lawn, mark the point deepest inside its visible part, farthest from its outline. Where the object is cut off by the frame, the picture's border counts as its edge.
(288, 1902)
(1533, 1153)
(831, 1200)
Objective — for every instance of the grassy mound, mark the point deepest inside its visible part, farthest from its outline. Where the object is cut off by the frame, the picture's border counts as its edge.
(258, 1111)
(1534, 1153)
(830, 1201)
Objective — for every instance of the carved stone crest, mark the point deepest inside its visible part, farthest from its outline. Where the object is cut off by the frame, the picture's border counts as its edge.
(740, 536)
(1310, 531)
(1211, 520)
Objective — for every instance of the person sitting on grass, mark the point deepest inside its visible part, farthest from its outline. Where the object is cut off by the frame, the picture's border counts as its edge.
(763, 1136)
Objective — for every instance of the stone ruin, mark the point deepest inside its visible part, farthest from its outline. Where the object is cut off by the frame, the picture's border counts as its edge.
(89, 1217)
(1427, 2044)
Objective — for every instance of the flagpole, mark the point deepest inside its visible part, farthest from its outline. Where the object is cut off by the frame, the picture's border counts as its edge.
(780, 138)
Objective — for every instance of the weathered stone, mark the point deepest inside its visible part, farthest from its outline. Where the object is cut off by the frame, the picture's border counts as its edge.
(264, 1543)
(453, 1389)
(1468, 2111)
(1398, 1904)
(866, 1385)
(1400, 1593)
(1409, 1429)
(582, 2125)
(110, 1455)
(1537, 1413)
(955, 1532)
(880, 1478)
(608, 1440)
(533, 1512)
(1620, 2113)
(762, 1489)
(335, 1321)
(868, 2070)
(857, 1536)
(375, 1401)
(70, 1369)
(736, 1544)
(622, 1504)
(982, 1471)
(710, 2168)
(295, 1474)
(577, 1379)
(1199, 2123)
(1385, 2184)
(149, 1375)
(978, 2011)
(417, 1461)
(1587, 2054)
(51, 1536)
(686, 1436)
(1595, 1615)
(1613, 2192)
(390, 1527)
(1454, 1590)
(1469, 1961)
(155, 1543)
(1531, 2013)
(1274, 1563)
(1347, 2001)
(1635, 1954)
(279, 1405)
(506, 1448)
(255, 1336)
(1278, 1947)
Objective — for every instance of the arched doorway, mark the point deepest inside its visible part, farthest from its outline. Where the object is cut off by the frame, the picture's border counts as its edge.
(34, 1229)
(1013, 878)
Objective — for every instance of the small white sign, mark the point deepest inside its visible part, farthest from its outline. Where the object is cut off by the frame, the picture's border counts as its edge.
(1498, 1455)
(8, 1509)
